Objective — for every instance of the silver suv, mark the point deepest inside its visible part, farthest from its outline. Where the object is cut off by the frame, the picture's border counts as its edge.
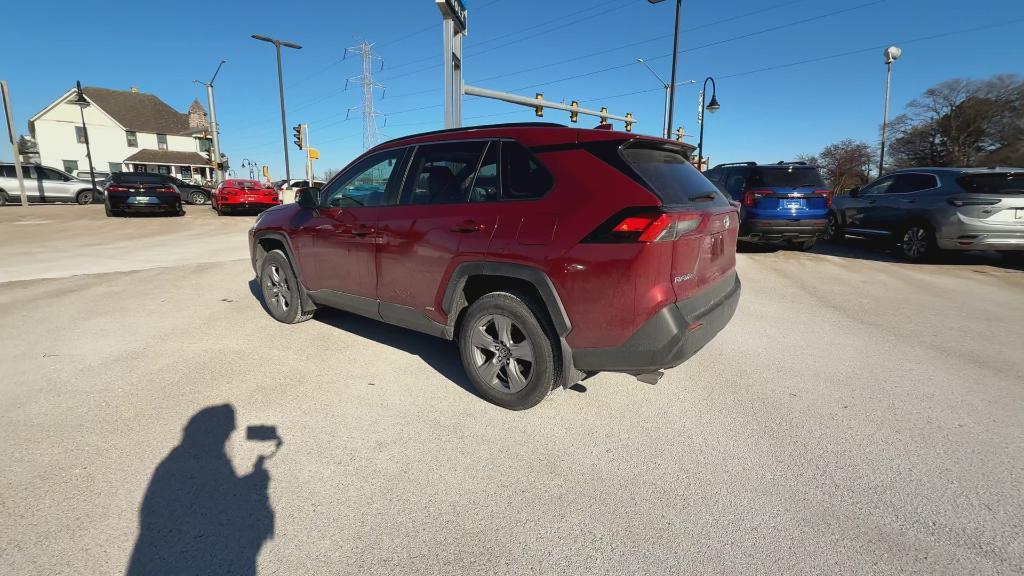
(44, 184)
(929, 209)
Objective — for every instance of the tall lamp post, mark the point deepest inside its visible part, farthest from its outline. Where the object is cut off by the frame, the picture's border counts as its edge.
(280, 85)
(711, 107)
(82, 104)
(214, 128)
(892, 53)
(666, 123)
(675, 57)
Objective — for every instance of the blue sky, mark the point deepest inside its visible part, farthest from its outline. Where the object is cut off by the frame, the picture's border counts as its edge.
(526, 46)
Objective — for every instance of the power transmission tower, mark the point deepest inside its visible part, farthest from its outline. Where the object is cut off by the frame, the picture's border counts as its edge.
(370, 134)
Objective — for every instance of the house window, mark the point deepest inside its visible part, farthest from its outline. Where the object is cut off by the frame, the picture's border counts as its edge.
(205, 144)
(114, 167)
(161, 141)
(133, 139)
(140, 167)
(186, 172)
(70, 166)
(80, 134)
(163, 169)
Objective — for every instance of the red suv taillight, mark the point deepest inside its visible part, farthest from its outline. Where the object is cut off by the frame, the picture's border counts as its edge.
(752, 196)
(646, 226)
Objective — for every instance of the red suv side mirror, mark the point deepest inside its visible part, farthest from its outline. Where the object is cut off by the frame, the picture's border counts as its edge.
(308, 198)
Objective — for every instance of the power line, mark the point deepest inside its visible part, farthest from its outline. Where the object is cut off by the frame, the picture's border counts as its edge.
(601, 52)
(693, 48)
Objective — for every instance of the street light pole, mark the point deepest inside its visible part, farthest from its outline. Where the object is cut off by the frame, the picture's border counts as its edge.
(82, 104)
(675, 58)
(891, 54)
(280, 85)
(711, 107)
(666, 127)
(214, 127)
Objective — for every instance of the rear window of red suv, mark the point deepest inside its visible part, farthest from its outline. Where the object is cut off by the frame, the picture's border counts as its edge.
(669, 174)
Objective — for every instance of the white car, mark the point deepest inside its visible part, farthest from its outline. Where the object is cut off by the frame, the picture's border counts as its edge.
(44, 184)
(286, 188)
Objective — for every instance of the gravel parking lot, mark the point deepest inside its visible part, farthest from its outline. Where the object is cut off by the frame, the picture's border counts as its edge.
(859, 415)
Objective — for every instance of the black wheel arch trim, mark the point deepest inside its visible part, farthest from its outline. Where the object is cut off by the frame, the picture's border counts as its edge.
(453, 305)
(534, 276)
(307, 302)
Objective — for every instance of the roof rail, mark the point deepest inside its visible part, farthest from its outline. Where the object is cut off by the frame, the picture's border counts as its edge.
(479, 127)
(795, 163)
(736, 164)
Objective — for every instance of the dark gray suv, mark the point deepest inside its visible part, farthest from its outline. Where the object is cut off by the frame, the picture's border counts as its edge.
(929, 209)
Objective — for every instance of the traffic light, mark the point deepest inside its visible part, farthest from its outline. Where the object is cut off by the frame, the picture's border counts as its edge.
(574, 115)
(629, 121)
(298, 136)
(539, 109)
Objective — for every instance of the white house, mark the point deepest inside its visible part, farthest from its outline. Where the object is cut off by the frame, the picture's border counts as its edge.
(128, 131)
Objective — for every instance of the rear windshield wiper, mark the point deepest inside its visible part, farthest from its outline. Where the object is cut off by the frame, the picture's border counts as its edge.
(704, 196)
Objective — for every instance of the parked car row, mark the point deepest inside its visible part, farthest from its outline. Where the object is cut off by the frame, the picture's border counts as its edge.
(920, 210)
(47, 184)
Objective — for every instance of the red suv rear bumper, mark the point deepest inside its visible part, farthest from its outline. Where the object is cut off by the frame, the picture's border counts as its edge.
(671, 336)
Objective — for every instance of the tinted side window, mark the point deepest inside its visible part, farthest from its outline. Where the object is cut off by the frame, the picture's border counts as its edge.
(51, 174)
(524, 178)
(879, 186)
(735, 180)
(7, 172)
(442, 173)
(913, 183)
(485, 186)
(366, 184)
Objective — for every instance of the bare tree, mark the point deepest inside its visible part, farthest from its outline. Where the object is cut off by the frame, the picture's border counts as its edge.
(845, 164)
(810, 159)
(27, 145)
(962, 122)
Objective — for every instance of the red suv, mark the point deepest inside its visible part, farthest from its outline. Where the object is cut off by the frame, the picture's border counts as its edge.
(548, 253)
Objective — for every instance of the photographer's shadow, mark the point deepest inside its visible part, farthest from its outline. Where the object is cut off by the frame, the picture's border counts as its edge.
(197, 516)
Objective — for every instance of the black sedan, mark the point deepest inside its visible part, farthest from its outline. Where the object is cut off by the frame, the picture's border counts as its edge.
(139, 193)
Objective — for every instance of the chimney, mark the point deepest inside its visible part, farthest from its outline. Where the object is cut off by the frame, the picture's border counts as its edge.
(135, 89)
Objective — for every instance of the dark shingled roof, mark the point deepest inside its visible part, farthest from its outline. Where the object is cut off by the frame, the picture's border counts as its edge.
(139, 112)
(168, 157)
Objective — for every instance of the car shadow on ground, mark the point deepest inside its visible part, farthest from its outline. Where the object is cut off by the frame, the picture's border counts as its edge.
(878, 251)
(439, 354)
(198, 516)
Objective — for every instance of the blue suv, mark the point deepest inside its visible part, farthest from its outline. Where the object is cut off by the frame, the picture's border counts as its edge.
(786, 203)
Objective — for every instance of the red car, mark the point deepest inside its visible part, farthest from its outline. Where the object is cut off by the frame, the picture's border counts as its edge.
(548, 253)
(249, 195)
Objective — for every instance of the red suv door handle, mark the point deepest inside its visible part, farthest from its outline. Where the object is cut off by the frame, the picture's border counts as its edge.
(362, 231)
(467, 227)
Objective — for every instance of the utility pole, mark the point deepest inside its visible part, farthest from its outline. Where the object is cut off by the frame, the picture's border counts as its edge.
(214, 128)
(9, 113)
(455, 26)
(666, 125)
(82, 102)
(891, 54)
(370, 135)
(280, 86)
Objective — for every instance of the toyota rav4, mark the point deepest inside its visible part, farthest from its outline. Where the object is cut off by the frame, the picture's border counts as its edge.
(547, 253)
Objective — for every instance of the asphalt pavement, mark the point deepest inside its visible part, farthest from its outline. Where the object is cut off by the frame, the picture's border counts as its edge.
(859, 415)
